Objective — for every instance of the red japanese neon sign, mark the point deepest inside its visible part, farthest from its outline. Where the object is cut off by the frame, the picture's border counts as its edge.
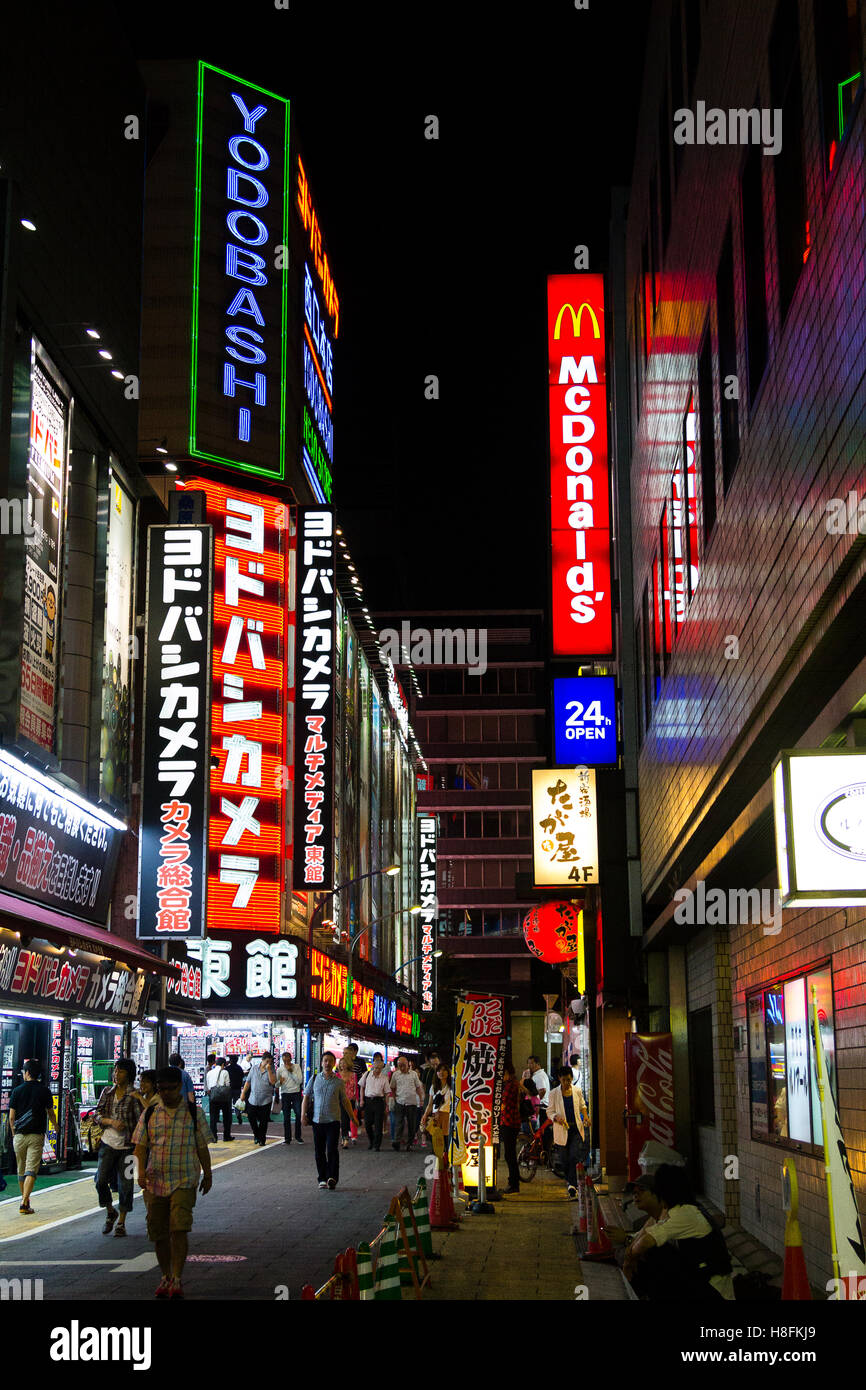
(250, 696)
(579, 481)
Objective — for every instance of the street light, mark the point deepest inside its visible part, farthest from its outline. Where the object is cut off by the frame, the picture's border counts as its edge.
(436, 955)
(412, 911)
(329, 893)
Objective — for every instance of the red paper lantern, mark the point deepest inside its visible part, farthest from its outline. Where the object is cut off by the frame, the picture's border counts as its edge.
(551, 932)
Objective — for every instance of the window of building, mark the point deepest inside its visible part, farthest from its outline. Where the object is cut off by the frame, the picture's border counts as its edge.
(728, 380)
(507, 777)
(708, 437)
(701, 1057)
(472, 822)
(524, 775)
(754, 267)
(786, 95)
(840, 70)
(783, 1084)
(490, 824)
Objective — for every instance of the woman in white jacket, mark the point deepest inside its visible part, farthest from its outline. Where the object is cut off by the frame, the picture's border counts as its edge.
(567, 1109)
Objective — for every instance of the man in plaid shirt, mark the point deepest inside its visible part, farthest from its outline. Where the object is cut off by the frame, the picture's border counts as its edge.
(171, 1150)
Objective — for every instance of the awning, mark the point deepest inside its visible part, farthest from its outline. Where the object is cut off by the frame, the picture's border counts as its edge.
(43, 924)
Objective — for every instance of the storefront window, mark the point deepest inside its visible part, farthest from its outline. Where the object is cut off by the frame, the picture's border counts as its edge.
(785, 1102)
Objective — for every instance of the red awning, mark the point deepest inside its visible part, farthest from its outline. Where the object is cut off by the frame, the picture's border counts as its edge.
(44, 924)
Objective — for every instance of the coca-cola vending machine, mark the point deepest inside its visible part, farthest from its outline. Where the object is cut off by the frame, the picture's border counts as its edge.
(649, 1094)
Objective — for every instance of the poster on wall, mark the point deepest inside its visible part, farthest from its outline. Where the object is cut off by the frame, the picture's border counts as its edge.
(43, 526)
(114, 754)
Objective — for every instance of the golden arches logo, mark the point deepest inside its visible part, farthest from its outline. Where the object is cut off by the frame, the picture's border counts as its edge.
(575, 320)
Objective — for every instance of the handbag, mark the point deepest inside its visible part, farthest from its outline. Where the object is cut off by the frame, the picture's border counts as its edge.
(222, 1092)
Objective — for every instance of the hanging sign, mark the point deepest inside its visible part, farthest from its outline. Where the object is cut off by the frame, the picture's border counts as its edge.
(564, 827)
(427, 916)
(314, 724)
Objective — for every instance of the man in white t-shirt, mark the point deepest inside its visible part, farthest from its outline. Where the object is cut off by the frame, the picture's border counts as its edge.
(705, 1270)
(290, 1079)
(542, 1088)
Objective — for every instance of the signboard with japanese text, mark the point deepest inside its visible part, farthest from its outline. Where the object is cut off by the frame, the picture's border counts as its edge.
(579, 468)
(240, 276)
(480, 1059)
(564, 827)
(43, 525)
(315, 679)
(251, 706)
(175, 759)
(584, 720)
(88, 984)
(236, 969)
(333, 987)
(427, 918)
(54, 849)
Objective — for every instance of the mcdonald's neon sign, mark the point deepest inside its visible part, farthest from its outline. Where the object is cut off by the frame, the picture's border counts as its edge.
(575, 320)
(579, 467)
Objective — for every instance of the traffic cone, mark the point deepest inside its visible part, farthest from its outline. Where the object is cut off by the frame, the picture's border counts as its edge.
(365, 1273)
(387, 1266)
(795, 1280)
(441, 1206)
(308, 1292)
(599, 1247)
(350, 1274)
(581, 1198)
(422, 1220)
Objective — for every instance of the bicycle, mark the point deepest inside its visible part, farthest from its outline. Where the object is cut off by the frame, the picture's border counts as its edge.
(531, 1153)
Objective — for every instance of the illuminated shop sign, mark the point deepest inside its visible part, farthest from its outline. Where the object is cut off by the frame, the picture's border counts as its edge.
(250, 696)
(240, 287)
(397, 700)
(579, 474)
(54, 848)
(314, 724)
(43, 546)
(427, 916)
(819, 801)
(312, 226)
(237, 970)
(332, 985)
(115, 761)
(315, 460)
(176, 765)
(584, 720)
(87, 983)
(564, 827)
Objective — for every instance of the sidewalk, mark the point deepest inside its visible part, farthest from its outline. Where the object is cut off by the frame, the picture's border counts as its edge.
(528, 1252)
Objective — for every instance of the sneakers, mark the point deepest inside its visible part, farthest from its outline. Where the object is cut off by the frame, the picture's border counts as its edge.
(345, 1143)
(110, 1218)
(163, 1289)
(120, 1231)
(332, 1183)
(298, 1139)
(323, 1184)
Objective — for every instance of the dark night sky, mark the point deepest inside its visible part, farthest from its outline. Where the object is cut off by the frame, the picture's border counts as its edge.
(440, 251)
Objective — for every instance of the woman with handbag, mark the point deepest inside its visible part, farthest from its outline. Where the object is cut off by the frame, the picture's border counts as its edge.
(219, 1094)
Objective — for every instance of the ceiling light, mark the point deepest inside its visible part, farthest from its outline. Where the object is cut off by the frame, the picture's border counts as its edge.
(339, 531)
(92, 333)
(352, 568)
(25, 222)
(161, 450)
(171, 467)
(118, 375)
(104, 353)
(343, 544)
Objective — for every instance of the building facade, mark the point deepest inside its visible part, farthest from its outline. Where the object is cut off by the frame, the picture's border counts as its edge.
(739, 393)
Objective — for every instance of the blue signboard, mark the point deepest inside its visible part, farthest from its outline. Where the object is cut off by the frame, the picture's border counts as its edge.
(584, 720)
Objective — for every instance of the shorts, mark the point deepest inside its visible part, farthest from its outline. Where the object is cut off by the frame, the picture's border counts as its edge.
(172, 1213)
(28, 1153)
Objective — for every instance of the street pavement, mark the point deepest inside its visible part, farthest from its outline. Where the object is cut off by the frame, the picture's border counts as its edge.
(265, 1226)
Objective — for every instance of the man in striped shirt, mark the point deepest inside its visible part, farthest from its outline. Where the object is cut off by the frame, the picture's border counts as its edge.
(171, 1151)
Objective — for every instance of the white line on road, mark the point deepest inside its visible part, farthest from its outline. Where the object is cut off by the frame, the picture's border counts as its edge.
(91, 1211)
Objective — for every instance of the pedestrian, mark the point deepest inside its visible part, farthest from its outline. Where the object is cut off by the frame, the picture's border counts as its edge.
(569, 1114)
(359, 1066)
(528, 1105)
(258, 1093)
(171, 1151)
(175, 1060)
(219, 1093)
(147, 1093)
(117, 1111)
(574, 1062)
(429, 1072)
(439, 1101)
(509, 1124)
(324, 1101)
(350, 1081)
(706, 1264)
(236, 1081)
(408, 1095)
(290, 1079)
(541, 1082)
(31, 1106)
(375, 1089)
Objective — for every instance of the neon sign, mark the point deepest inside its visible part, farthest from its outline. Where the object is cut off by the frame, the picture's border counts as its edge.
(240, 284)
(579, 475)
(311, 225)
(427, 916)
(333, 985)
(314, 738)
(249, 698)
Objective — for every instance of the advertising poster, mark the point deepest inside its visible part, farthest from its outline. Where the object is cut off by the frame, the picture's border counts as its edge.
(45, 499)
(758, 1064)
(479, 1060)
(564, 827)
(649, 1093)
(114, 754)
